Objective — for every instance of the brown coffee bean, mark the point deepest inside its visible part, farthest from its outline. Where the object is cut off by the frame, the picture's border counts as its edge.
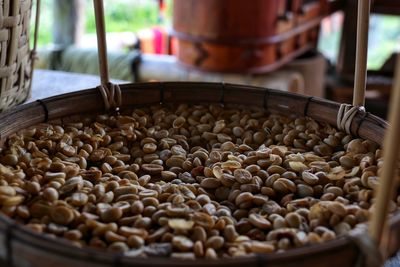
(198, 249)
(111, 215)
(129, 231)
(261, 247)
(62, 215)
(50, 194)
(259, 221)
(210, 183)
(74, 235)
(152, 168)
(243, 197)
(182, 243)
(180, 224)
(7, 191)
(203, 219)
(211, 254)
(9, 159)
(243, 176)
(113, 237)
(135, 241)
(215, 242)
(199, 234)
(293, 219)
(79, 199)
(168, 175)
(309, 178)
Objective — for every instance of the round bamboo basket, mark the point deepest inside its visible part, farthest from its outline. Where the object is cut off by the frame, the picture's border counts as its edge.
(21, 247)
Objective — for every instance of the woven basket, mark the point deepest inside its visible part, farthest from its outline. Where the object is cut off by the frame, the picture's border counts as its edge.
(16, 60)
(21, 247)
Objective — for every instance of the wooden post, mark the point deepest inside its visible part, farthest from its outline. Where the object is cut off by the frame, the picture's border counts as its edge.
(346, 58)
(101, 41)
(389, 174)
(360, 75)
(69, 22)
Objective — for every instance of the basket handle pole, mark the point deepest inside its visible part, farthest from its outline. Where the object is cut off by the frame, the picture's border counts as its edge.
(360, 78)
(111, 93)
(35, 38)
(36, 29)
(390, 159)
(347, 112)
(101, 41)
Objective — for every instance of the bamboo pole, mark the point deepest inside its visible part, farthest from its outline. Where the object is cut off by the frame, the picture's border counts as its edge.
(35, 38)
(36, 29)
(360, 79)
(101, 41)
(390, 159)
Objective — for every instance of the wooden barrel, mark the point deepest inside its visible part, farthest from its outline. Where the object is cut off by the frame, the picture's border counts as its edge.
(235, 36)
(20, 247)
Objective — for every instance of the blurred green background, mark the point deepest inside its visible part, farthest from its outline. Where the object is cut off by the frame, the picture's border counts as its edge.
(120, 15)
(133, 15)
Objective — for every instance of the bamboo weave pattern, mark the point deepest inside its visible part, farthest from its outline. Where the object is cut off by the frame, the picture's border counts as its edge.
(15, 53)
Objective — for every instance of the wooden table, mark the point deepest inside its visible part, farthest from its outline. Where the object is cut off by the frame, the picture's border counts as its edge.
(48, 83)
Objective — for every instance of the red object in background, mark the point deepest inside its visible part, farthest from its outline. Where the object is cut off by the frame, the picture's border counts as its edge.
(159, 40)
(156, 40)
(173, 45)
(161, 5)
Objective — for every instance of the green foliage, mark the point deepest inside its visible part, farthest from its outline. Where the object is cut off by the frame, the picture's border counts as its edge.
(120, 15)
(46, 18)
(124, 15)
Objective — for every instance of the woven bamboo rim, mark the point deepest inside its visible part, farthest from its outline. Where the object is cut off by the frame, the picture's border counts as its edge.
(20, 245)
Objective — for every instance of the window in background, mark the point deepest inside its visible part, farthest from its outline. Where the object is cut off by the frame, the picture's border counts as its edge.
(384, 37)
(329, 38)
